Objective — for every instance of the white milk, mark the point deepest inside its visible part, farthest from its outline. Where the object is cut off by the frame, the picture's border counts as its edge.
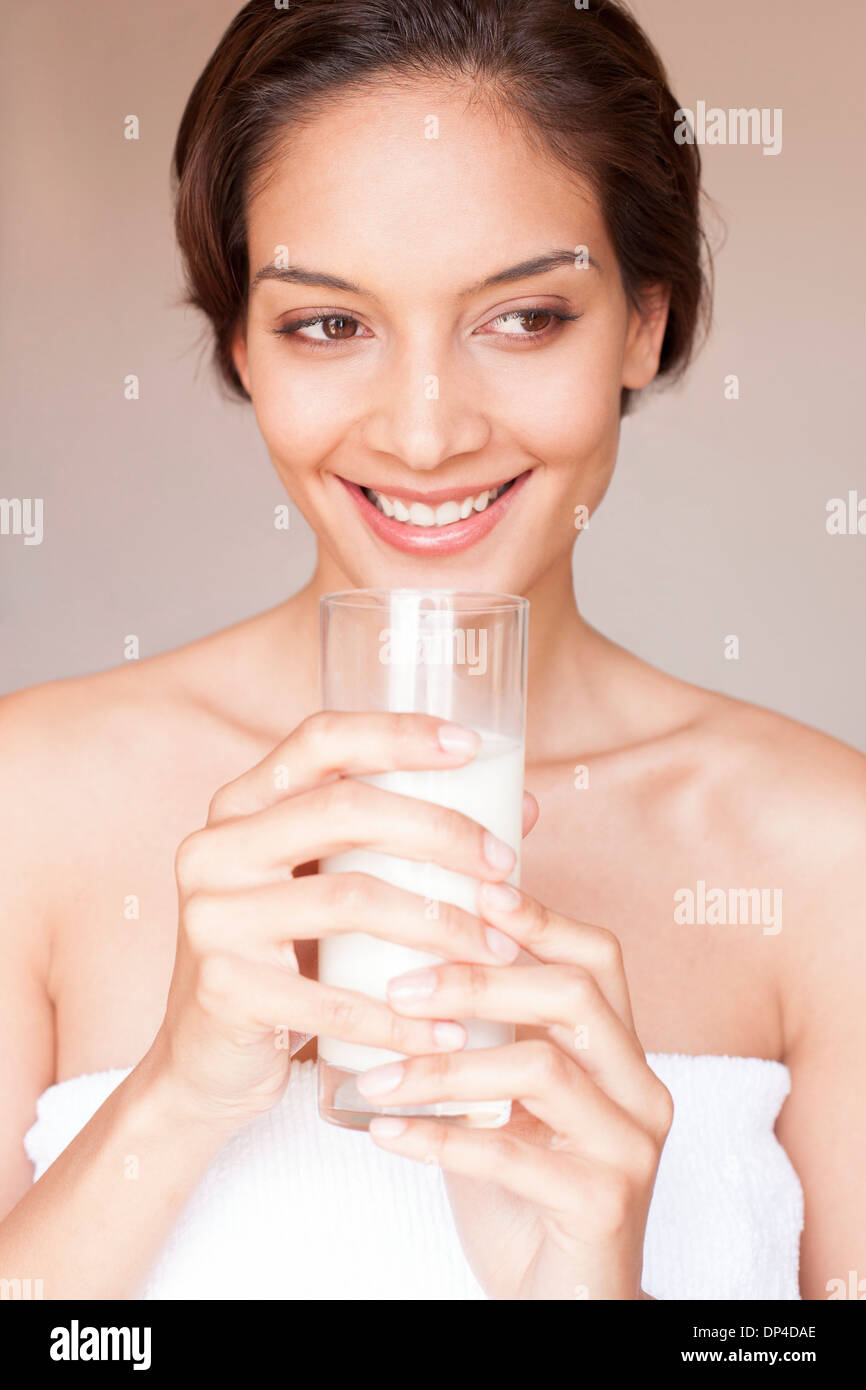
(488, 790)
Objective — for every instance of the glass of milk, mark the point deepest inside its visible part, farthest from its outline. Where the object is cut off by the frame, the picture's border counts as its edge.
(462, 657)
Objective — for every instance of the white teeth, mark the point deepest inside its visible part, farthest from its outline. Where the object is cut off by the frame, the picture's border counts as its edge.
(447, 513)
(419, 514)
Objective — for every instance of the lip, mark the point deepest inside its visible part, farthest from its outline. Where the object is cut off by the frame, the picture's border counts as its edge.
(442, 494)
(435, 540)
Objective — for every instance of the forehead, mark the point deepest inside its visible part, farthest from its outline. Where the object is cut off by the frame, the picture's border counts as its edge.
(416, 183)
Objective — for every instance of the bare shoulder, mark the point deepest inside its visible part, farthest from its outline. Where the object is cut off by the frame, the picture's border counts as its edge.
(765, 821)
(80, 718)
(79, 729)
(800, 792)
(781, 806)
(79, 754)
(739, 774)
(736, 772)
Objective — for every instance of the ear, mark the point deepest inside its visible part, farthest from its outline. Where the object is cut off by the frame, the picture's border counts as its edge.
(239, 355)
(644, 337)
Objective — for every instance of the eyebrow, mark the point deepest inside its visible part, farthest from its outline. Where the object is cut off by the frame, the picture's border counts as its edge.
(536, 265)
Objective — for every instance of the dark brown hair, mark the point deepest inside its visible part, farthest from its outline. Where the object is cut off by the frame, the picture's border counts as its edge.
(586, 82)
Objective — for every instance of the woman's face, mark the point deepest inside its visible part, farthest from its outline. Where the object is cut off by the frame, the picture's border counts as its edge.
(428, 377)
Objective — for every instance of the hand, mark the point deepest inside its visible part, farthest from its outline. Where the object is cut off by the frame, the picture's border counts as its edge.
(236, 991)
(552, 1205)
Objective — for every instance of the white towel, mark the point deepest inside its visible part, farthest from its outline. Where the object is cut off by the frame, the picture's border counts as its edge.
(292, 1207)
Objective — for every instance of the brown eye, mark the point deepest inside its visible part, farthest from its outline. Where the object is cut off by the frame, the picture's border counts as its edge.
(534, 320)
(319, 329)
(532, 324)
(339, 327)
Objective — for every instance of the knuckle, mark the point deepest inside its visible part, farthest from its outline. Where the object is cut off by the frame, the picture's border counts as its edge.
(439, 820)
(341, 797)
(546, 1062)
(450, 827)
(349, 891)
(316, 738)
(499, 1149)
(475, 978)
(437, 1066)
(406, 1035)
(220, 807)
(538, 923)
(316, 730)
(609, 950)
(438, 1145)
(189, 858)
(434, 1068)
(340, 1011)
(663, 1110)
(402, 728)
(452, 921)
(582, 987)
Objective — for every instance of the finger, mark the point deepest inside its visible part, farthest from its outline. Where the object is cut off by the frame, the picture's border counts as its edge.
(582, 1025)
(538, 1074)
(551, 937)
(344, 815)
(551, 1180)
(265, 920)
(251, 998)
(530, 813)
(333, 743)
(564, 999)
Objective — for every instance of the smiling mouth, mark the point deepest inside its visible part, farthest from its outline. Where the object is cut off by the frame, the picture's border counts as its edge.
(413, 513)
(437, 523)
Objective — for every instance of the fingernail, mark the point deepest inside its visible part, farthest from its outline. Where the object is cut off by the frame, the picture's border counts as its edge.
(388, 1126)
(497, 853)
(417, 984)
(502, 945)
(500, 896)
(449, 1035)
(453, 738)
(380, 1079)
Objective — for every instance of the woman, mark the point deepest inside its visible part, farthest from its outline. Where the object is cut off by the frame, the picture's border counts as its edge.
(441, 245)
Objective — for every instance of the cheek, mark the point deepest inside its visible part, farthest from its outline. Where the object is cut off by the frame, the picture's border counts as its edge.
(300, 421)
(567, 414)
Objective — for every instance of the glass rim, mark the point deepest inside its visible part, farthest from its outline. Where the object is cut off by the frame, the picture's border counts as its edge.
(481, 600)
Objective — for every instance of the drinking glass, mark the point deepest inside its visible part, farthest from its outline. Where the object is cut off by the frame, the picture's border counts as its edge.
(460, 656)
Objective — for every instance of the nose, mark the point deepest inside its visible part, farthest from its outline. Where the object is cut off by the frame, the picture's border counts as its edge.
(424, 410)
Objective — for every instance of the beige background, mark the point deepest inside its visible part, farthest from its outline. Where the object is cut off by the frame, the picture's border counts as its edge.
(158, 513)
